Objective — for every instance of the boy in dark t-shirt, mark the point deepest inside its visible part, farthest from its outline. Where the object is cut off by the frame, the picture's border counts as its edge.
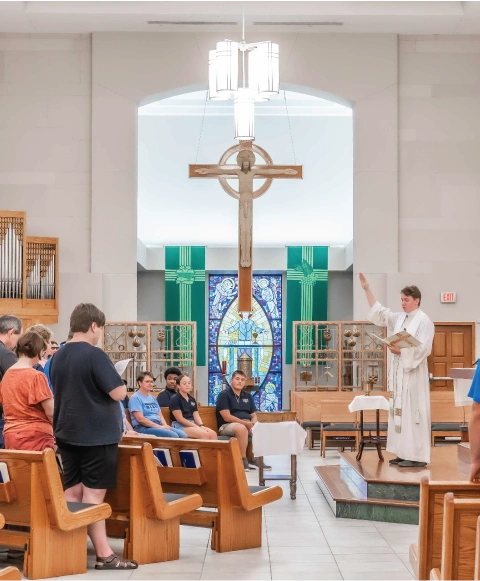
(87, 422)
(236, 415)
(170, 390)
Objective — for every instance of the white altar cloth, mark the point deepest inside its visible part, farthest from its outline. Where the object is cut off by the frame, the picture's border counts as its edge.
(277, 438)
(368, 402)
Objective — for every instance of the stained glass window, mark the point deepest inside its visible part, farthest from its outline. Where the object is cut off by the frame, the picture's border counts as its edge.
(246, 340)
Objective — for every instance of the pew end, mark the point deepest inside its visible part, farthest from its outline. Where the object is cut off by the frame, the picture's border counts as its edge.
(459, 538)
(8, 573)
(427, 555)
(476, 575)
(56, 528)
(141, 512)
(237, 522)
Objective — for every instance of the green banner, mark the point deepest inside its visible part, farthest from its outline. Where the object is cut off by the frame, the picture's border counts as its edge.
(307, 290)
(185, 291)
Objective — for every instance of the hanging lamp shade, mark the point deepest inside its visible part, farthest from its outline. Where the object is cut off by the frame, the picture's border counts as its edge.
(244, 112)
(212, 79)
(227, 66)
(253, 72)
(268, 68)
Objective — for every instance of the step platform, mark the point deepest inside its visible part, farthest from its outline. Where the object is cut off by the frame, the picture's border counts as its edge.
(376, 491)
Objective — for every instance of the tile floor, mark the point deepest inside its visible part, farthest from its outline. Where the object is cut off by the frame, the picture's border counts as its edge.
(302, 539)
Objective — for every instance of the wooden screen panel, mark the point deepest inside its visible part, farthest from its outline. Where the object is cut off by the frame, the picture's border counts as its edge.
(453, 347)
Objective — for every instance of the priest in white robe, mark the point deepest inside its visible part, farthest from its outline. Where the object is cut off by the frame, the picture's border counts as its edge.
(409, 426)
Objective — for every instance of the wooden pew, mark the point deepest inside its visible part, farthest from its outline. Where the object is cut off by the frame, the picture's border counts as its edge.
(148, 519)
(209, 419)
(56, 543)
(222, 484)
(8, 573)
(476, 574)
(459, 538)
(427, 555)
(342, 425)
(446, 418)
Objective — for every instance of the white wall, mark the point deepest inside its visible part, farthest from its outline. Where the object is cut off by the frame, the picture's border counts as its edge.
(133, 69)
(151, 296)
(176, 210)
(45, 152)
(439, 178)
(45, 144)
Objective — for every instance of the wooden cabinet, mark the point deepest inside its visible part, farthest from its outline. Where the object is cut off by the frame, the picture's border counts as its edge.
(338, 355)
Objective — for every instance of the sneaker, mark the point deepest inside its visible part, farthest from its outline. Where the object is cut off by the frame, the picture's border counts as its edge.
(254, 464)
(245, 465)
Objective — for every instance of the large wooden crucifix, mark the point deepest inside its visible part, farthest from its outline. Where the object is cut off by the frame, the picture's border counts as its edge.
(245, 171)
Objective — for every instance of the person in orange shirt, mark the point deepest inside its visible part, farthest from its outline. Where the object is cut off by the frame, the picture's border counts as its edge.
(27, 399)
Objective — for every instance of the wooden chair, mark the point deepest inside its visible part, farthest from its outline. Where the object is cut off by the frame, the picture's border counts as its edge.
(447, 419)
(148, 519)
(56, 543)
(339, 426)
(8, 573)
(459, 538)
(427, 555)
(222, 484)
(370, 424)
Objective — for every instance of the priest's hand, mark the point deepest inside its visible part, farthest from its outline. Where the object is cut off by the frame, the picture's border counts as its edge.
(394, 349)
(363, 281)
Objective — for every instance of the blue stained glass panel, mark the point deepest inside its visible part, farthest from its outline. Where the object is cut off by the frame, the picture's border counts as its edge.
(255, 337)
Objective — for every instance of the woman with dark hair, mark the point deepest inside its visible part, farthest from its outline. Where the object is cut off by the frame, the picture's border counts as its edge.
(184, 412)
(27, 399)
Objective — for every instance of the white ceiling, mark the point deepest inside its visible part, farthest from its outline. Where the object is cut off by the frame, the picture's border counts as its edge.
(407, 17)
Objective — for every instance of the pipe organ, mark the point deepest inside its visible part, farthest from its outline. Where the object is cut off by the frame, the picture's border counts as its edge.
(28, 272)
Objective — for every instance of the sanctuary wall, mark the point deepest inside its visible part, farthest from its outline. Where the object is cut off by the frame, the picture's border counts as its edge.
(68, 151)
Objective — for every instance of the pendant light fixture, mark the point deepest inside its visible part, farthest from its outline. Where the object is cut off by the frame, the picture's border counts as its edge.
(261, 68)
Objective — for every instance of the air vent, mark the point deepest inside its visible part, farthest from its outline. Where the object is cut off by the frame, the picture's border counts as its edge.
(191, 23)
(298, 23)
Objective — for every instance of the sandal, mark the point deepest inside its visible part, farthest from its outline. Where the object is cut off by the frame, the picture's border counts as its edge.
(115, 562)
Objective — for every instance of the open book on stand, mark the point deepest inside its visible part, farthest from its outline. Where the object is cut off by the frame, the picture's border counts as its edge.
(403, 340)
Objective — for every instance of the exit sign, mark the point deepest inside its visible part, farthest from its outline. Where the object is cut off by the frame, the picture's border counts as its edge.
(448, 297)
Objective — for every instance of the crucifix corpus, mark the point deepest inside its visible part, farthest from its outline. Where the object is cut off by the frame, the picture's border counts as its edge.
(245, 171)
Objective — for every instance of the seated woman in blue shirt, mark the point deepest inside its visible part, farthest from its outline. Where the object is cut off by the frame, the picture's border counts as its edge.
(184, 412)
(145, 412)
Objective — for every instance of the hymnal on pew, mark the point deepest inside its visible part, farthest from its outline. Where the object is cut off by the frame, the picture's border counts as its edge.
(162, 457)
(4, 475)
(403, 340)
(190, 458)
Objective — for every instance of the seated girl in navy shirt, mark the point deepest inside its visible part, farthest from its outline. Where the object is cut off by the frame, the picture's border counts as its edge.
(184, 412)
